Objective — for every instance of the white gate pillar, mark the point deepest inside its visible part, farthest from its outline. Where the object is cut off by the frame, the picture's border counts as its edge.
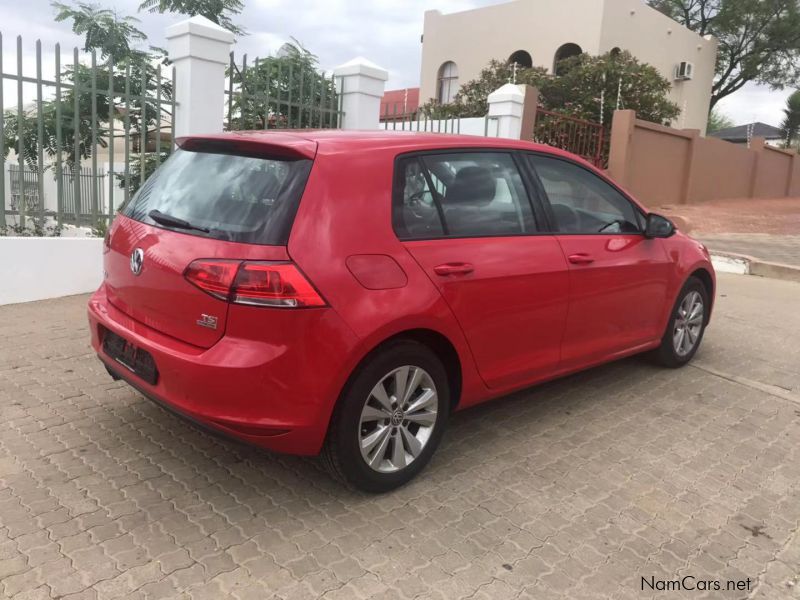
(360, 84)
(506, 106)
(200, 50)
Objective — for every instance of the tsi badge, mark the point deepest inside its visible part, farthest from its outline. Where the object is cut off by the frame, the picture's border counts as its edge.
(137, 260)
(208, 321)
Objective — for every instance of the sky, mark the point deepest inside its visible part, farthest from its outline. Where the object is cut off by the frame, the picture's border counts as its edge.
(387, 32)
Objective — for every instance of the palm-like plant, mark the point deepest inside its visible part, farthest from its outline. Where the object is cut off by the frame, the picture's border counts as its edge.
(218, 11)
(791, 121)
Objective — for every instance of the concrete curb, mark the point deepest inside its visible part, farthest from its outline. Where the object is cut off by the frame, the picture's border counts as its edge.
(742, 264)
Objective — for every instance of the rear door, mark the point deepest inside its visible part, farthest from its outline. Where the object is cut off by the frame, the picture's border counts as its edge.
(224, 201)
(467, 220)
(618, 278)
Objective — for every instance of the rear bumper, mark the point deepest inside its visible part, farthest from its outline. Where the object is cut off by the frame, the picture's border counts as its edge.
(267, 389)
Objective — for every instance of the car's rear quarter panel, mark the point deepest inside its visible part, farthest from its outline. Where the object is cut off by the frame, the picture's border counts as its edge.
(346, 211)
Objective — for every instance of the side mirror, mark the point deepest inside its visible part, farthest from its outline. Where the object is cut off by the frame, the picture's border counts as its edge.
(658, 227)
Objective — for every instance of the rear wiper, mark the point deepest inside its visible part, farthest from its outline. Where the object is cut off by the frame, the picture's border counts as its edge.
(170, 221)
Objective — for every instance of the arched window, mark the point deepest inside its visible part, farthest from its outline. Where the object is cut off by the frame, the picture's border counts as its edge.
(564, 52)
(447, 86)
(521, 59)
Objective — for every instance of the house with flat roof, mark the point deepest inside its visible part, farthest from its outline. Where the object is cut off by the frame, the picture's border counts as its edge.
(456, 46)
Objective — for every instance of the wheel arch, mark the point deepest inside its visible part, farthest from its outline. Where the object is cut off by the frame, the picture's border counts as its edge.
(438, 343)
(708, 283)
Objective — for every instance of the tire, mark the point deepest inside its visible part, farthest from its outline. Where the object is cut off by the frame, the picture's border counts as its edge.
(363, 430)
(675, 350)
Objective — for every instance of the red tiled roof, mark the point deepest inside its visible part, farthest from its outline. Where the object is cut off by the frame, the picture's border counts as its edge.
(399, 103)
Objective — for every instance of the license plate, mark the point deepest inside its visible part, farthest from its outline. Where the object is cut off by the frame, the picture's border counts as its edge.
(137, 361)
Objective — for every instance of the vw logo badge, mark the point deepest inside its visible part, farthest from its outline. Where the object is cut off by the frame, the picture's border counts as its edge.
(137, 260)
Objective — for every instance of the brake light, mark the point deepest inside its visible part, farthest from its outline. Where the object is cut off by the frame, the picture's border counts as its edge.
(214, 277)
(274, 284)
(255, 283)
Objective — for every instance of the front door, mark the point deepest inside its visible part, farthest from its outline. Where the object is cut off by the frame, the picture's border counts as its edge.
(467, 220)
(618, 278)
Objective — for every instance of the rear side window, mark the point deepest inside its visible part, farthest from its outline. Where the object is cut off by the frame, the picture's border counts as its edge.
(465, 194)
(236, 198)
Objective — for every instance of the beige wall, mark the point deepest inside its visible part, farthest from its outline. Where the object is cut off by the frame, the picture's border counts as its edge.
(661, 165)
(661, 42)
(472, 38)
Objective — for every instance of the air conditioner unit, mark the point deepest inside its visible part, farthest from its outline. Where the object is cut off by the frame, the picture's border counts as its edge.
(684, 71)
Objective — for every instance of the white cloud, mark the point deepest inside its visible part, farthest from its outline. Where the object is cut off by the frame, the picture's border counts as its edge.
(755, 103)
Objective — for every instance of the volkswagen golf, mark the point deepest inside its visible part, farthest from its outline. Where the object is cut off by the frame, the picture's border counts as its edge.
(341, 293)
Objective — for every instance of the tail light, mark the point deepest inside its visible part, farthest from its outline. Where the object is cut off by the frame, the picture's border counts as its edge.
(256, 283)
(214, 277)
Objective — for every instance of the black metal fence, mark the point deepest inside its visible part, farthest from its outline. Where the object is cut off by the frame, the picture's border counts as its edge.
(88, 114)
(286, 91)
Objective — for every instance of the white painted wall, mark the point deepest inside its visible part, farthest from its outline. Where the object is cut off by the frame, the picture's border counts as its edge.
(361, 84)
(41, 268)
(200, 51)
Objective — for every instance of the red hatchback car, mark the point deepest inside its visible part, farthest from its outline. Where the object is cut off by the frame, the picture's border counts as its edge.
(343, 292)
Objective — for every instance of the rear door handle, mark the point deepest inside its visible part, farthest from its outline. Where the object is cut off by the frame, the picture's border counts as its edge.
(580, 259)
(453, 269)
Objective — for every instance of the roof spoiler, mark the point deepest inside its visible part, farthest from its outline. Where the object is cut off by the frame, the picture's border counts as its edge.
(261, 145)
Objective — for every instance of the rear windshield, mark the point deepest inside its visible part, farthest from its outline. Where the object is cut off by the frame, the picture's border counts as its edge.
(236, 198)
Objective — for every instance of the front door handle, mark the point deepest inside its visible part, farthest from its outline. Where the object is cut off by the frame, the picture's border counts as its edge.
(580, 259)
(453, 269)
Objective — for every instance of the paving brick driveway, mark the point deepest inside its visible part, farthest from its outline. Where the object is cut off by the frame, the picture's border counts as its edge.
(577, 489)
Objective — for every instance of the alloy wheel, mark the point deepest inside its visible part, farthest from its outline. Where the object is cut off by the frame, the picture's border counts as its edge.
(398, 419)
(688, 323)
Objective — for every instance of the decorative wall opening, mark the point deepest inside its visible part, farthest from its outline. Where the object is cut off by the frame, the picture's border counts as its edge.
(447, 83)
(521, 59)
(564, 52)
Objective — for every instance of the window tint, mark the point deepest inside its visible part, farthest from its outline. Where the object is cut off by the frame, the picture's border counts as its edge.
(237, 198)
(416, 211)
(582, 202)
(461, 195)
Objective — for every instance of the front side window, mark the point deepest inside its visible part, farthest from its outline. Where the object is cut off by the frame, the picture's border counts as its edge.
(466, 194)
(582, 202)
(224, 196)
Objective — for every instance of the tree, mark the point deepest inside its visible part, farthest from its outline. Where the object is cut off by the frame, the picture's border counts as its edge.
(102, 29)
(267, 88)
(759, 40)
(114, 41)
(218, 11)
(718, 120)
(791, 121)
(471, 99)
(589, 87)
(593, 87)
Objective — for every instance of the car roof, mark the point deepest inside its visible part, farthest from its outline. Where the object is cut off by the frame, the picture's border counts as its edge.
(310, 142)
